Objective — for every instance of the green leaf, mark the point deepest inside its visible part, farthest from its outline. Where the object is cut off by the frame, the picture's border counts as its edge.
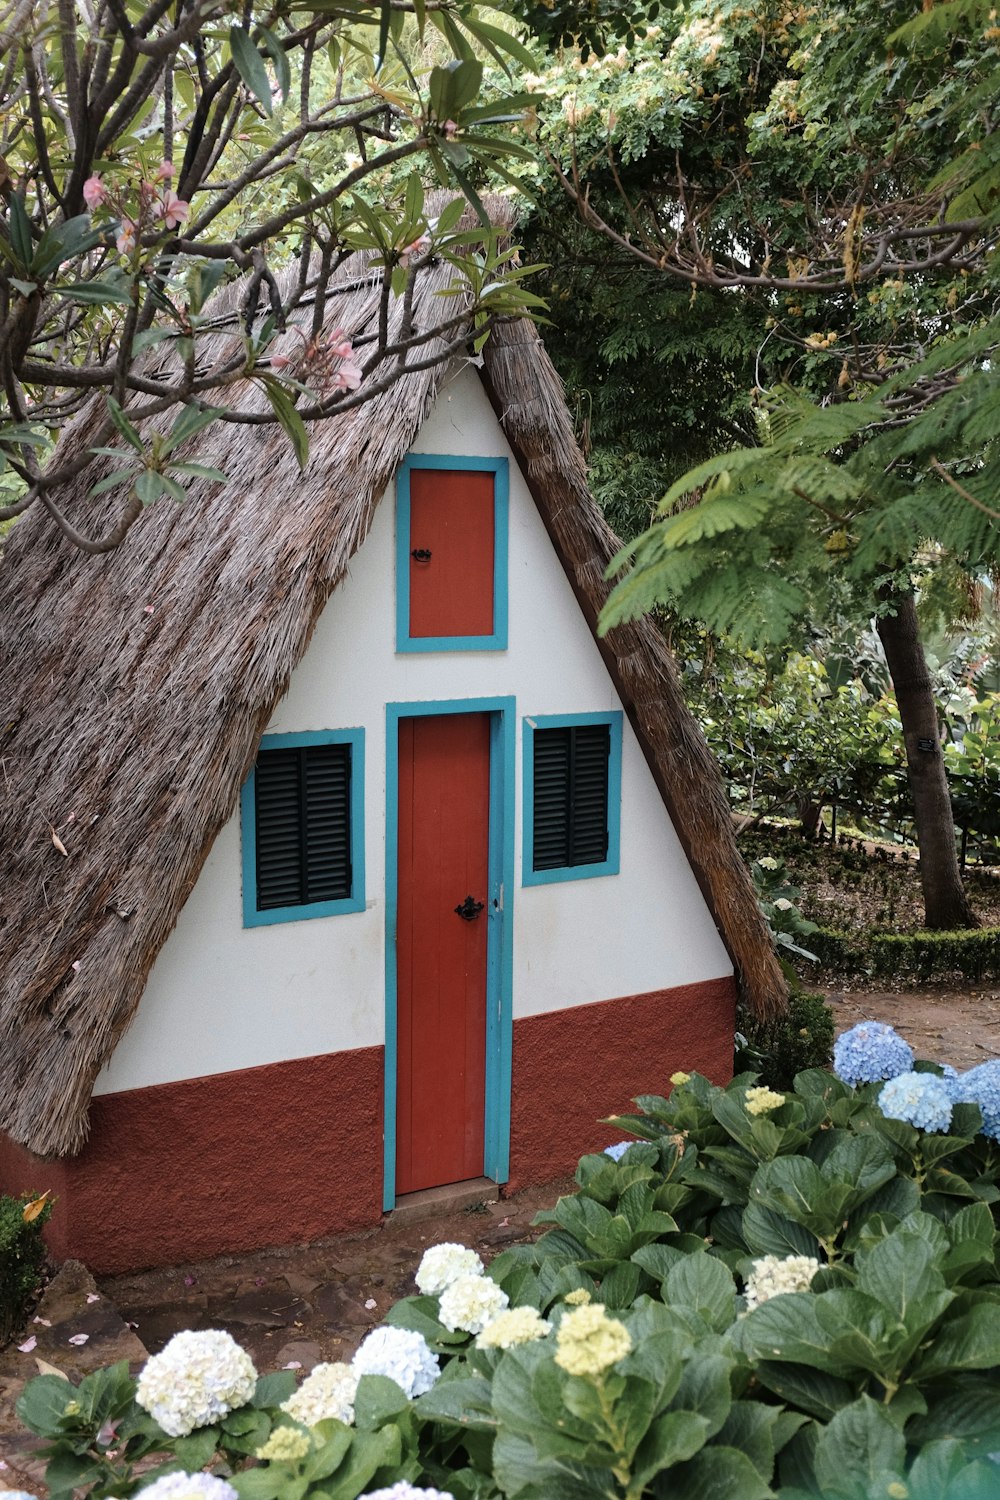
(149, 486)
(705, 1284)
(112, 481)
(20, 235)
(200, 471)
(718, 1473)
(130, 433)
(969, 1342)
(276, 52)
(378, 1399)
(196, 1450)
(250, 66)
(42, 1404)
(95, 292)
(859, 1444)
(190, 420)
(288, 418)
(465, 1403)
(272, 1390)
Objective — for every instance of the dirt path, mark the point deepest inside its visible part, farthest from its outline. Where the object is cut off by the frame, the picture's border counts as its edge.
(961, 1027)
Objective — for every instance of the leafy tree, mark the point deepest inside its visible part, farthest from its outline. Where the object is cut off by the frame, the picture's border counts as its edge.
(783, 155)
(153, 150)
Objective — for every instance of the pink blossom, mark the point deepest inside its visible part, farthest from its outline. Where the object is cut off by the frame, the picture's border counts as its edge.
(348, 377)
(165, 171)
(94, 192)
(420, 244)
(339, 344)
(173, 209)
(280, 361)
(126, 240)
(450, 129)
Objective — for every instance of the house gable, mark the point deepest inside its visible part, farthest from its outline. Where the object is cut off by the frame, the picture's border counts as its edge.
(222, 997)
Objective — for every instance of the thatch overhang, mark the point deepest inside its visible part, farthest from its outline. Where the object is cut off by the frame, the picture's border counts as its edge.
(135, 686)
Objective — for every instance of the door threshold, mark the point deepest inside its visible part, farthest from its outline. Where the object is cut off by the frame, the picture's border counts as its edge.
(428, 1203)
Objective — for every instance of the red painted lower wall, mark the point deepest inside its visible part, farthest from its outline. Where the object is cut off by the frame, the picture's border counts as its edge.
(571, 1067)
(236, 1161)
(293, 1151)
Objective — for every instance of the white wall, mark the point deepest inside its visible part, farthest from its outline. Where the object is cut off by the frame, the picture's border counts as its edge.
(221, 997)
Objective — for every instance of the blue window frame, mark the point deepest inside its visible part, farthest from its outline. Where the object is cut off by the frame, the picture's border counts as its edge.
(499, 467)
(572, 779)
(302, 816)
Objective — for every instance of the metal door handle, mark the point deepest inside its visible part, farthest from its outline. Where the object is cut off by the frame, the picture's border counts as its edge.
(469, 909)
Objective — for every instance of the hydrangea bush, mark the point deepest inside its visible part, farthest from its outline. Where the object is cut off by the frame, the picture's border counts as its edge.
(761, 1295)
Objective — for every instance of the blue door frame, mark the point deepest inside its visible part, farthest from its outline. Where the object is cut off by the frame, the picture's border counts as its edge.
(500, 947)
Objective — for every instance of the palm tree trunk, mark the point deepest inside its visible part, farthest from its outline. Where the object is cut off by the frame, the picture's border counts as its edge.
(945, 903)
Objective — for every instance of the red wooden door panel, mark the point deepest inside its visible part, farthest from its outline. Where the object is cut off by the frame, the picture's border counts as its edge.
(452, 518)
(444, 808)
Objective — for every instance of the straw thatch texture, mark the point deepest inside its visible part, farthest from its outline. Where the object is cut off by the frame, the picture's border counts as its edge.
(134, 687)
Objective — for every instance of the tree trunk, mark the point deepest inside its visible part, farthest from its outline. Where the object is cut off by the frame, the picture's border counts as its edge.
(945, 903)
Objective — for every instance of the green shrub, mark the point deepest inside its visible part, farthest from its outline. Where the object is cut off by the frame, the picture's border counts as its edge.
(778, 1049)
(918, 955)
(22, 1252)
(763, 1297)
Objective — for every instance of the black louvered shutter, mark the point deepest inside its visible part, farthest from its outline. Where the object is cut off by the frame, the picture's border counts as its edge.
(571, 796)
(303, 825)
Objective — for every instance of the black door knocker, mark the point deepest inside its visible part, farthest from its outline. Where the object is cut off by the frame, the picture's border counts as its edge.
(469, 909)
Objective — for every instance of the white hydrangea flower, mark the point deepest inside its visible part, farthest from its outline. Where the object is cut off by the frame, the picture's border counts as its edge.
(761, 1101)
(773, 1274)
(189, 1487)
(404, 1490)
(470, 1303)
(402, 1355)
(328, 1391)
(286, 1445)
(443, 1264)
(518, 1325)
(195, 1380)
(589, 1341)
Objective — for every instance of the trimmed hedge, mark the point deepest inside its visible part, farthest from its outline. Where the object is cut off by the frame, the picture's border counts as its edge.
(910, 955)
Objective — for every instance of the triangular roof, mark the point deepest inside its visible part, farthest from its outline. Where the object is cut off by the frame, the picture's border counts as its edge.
(135, 686)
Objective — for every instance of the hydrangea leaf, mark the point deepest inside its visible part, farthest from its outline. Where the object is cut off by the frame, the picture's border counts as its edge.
(860, 1443)
(900, 1271)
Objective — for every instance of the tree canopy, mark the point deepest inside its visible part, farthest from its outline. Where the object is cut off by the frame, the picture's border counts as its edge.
(152, 149)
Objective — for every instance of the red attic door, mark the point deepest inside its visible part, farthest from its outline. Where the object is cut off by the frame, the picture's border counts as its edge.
(452, 518)
(444, 805)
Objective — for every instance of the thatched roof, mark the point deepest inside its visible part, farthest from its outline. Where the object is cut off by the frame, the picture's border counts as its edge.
(135, 687)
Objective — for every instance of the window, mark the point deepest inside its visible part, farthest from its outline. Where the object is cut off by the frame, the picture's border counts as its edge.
(303, 828)
(572, 796)
(451, 553)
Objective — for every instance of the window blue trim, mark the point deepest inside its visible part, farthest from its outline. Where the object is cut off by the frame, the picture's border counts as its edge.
(500, 937)
(500, 468)
(612, 864)
(356, 900)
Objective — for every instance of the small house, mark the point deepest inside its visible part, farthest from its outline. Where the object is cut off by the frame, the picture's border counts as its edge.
(342, 859)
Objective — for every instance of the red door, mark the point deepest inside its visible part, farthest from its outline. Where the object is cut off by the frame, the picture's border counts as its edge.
(444, 808)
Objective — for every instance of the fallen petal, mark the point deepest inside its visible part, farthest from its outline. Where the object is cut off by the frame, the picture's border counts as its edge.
(293, 1364)
(28, 1345)
(93, 1296)
(370, 1303)
(79, 1338)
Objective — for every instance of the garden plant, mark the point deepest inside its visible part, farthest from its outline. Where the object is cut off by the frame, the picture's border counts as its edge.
(761, 1294)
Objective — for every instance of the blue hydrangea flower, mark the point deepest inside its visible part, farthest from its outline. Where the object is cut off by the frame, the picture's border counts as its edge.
(981, 1086)
(617, 1151)
(921, 1099)
(870, 1052)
